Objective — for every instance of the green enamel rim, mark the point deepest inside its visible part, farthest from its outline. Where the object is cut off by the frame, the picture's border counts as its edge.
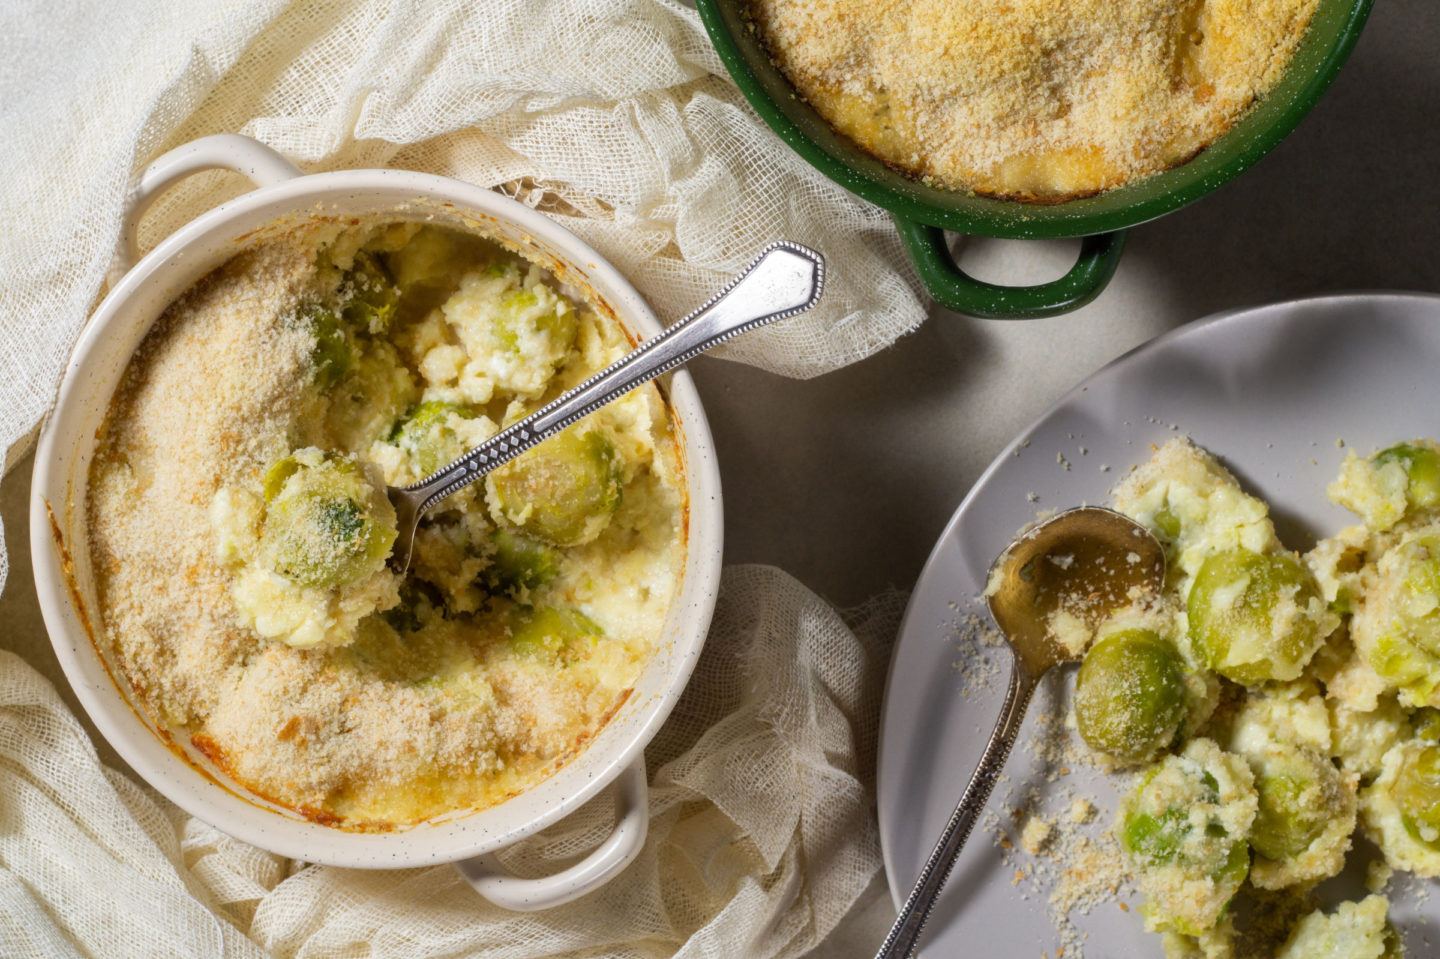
(1332, 35)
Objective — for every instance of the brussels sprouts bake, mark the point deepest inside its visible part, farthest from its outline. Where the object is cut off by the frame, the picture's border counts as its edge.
(239, 527)
(1269, 701)
(1042, 102)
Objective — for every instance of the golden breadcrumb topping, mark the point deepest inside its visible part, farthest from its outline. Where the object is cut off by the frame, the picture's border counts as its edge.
(1033, 99)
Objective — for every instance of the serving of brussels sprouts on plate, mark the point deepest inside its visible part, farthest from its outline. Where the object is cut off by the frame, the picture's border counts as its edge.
(1268, 701)
(1293, 634)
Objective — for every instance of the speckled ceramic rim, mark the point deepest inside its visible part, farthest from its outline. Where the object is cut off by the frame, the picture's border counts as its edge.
(921, 211)
(67, 443)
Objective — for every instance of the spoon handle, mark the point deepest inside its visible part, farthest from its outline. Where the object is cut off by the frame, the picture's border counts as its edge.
(900, 943)
(786, 279)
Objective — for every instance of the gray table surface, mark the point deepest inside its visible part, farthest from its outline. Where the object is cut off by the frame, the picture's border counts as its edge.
(846, 480)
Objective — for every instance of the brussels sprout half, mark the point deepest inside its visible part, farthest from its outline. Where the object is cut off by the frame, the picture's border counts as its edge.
(1299, 793)
(520, 563)
(1422, 472)
(1398, 631)
(1130, 695)
(326, 523)
(425, 437)
(1255, 617)
(370, 295)
(1183, 831)
(523, 316)
(1417, 793)
(334, 355)
(562, 492)
(548, 632)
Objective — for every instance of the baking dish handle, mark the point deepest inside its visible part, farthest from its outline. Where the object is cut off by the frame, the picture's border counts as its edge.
(223, 151)
(632, 821)
(956, 290)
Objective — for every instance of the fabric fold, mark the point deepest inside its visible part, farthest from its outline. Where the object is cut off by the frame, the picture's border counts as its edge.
(762, 831)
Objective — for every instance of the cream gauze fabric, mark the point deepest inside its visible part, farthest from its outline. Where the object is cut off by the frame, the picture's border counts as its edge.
(615, 118)
(761, 830)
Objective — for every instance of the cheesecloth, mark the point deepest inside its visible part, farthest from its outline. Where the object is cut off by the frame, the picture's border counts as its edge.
(616, 119)
(761, 836)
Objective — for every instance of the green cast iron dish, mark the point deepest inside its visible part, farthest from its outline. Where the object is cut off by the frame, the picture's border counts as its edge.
(922, 213)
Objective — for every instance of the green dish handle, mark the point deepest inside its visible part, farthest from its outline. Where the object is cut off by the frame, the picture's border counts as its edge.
(957, 290)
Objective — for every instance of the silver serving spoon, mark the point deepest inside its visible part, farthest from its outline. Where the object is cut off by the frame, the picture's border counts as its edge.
(1089, 561)
(784, 280)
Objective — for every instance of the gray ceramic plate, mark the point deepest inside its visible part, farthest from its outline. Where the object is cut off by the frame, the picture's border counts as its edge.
(1271, 391)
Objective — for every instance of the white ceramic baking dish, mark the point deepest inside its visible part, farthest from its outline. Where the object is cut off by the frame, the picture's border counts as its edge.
(139, 293)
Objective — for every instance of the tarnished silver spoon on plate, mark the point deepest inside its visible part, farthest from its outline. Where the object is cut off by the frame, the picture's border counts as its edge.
(1088, 561)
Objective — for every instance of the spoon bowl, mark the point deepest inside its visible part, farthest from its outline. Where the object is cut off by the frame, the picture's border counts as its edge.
(1087, 562)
